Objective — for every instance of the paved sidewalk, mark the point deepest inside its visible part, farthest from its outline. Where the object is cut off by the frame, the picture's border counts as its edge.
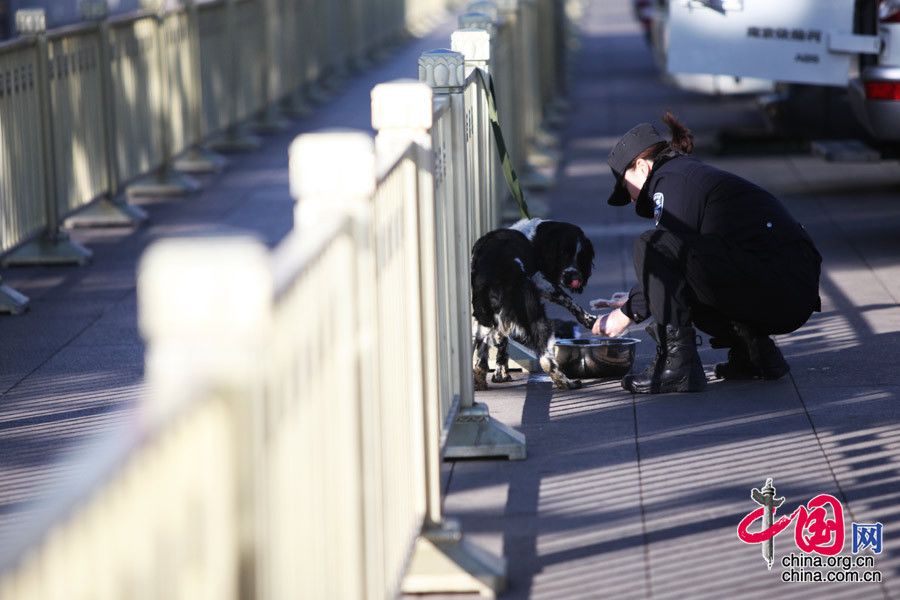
(72, 367)
(625, 496)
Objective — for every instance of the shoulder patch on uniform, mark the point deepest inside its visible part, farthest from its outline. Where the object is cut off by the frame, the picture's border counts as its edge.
(658, 201)
(520, 263)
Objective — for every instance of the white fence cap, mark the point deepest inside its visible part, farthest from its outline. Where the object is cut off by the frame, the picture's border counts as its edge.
(204, 288)
(442, 68)
(331, 164)
(474, 44)
(402, 104)
(486, 7)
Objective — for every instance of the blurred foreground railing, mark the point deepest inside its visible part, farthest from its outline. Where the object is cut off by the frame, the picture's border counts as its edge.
(312, 391)
(93, 114)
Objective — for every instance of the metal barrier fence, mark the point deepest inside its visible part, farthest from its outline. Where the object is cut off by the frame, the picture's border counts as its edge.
(87, 110)
(300, 402)
(21, 110)
(150, 515)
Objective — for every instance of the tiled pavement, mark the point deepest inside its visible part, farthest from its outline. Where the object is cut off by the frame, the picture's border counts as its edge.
(624, 496)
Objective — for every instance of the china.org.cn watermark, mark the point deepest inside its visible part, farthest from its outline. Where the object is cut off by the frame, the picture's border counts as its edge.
(819, 539)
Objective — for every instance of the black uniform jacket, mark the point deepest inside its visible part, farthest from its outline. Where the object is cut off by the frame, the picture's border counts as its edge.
(690, 198)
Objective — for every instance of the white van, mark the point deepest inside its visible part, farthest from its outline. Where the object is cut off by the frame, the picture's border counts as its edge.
(654, 15)
(846, 43)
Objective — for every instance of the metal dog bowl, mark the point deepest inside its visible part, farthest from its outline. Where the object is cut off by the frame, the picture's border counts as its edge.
(595, 357)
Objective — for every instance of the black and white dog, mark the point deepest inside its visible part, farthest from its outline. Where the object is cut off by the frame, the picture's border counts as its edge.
(512, 271)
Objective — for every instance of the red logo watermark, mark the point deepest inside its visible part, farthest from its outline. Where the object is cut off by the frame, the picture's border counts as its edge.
(818, 525)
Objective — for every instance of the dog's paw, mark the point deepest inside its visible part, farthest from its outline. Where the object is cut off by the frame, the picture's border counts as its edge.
(499, 377)
(568, 384)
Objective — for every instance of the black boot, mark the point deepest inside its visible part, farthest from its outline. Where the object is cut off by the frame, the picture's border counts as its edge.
(677, 366)
(752, 356)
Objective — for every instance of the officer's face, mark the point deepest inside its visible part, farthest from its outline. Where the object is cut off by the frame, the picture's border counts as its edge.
(636, 177)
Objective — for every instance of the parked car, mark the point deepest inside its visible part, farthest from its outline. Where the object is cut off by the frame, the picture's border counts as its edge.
(875, 92)
(850, 46)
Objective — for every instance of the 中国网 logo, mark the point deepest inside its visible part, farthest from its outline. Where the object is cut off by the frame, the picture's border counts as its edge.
(818, 528)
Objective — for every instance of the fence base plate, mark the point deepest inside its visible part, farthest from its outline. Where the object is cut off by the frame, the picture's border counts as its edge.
(541, 156)
(475, 434)
(11, 301)
(318, 95)
(524, 357)
(106, 213)
(236, 141)
(200, 160)
(544, 138)
(444, 562)
(167, 183)
(296, 106)
(534, 180)
(55, 250)
(271, 123)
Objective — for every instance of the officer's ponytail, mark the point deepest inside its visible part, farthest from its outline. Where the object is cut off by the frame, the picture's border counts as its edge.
(682, 143)
(682, 138)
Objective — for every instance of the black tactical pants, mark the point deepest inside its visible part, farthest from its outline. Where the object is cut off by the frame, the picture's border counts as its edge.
(710, 282)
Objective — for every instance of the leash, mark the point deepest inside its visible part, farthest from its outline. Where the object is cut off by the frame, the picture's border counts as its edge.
(509, 173)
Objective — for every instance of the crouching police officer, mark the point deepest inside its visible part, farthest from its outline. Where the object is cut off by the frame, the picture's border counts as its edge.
(725, 257)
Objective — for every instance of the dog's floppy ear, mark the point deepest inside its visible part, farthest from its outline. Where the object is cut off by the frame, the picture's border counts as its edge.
(548, 241)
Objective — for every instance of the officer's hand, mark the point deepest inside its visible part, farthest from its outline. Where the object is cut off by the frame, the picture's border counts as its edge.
(611, 324)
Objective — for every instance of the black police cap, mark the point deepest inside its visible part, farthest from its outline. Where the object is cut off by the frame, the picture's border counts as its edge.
(638, 139)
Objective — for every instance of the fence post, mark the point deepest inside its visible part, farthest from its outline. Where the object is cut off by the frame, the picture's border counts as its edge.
(313, 31)
(553, 66)
(235, 138)
(442, 560)
(358, 39)
(444, 72)
(333, 173)
(165, 181)
(475, 45)
(488, 216)
(402, 114)
(506, 72)
(271, 120)
(205, 313)
(561, 62)
(294, 104)
(474, 433)
(197, 159)
(514, 16)
(112, 210)
(543, 143)
(53, 246)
